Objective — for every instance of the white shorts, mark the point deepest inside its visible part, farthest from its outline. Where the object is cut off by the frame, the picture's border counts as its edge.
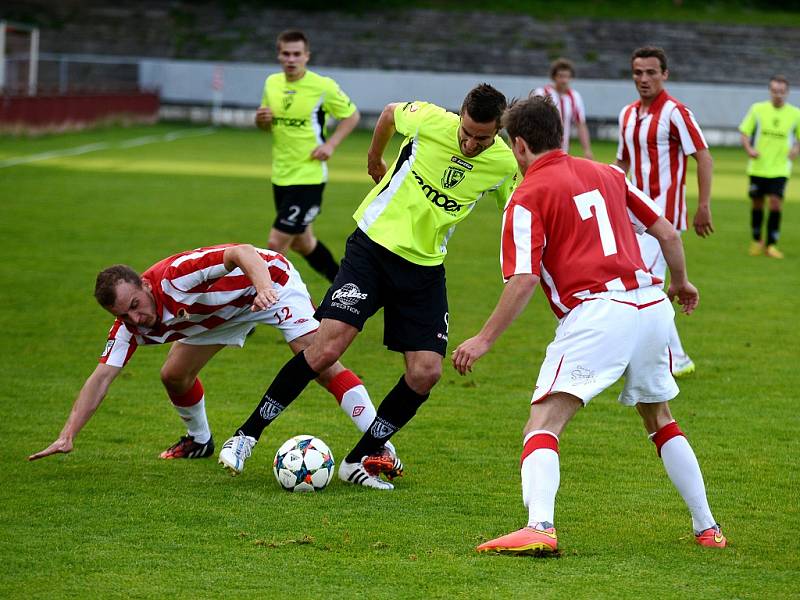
(611, 335)
(652, 255)
(292, 314)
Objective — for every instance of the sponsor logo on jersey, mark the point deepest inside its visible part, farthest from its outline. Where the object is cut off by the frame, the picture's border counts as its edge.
(271, 409)
(348, 294)
(435, 196)
(286, 122)
(461, 162)
(381, 428)
(452, 177)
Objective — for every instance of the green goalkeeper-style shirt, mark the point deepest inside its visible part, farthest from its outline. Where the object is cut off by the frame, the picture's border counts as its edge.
(432, 186)
(300, 109)
(772, 132)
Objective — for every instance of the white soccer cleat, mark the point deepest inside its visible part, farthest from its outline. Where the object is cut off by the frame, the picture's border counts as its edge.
(235, 451)
(356, 474)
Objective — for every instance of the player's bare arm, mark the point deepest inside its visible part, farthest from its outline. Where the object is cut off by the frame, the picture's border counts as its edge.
(583, 136)
(384, 130)
(248, 260)
(671, 246)
(264, 118)
(515, 297)
(794, 151)
(343, 129)
(89, 398)
(702, 218)
(748, 147)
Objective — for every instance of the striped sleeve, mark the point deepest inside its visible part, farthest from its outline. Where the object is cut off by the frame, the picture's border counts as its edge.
(522, 241)
(120, 346)
(689, 132)
(642, 210)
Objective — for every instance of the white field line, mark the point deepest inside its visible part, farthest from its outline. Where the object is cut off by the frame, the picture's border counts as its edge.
(132, 143)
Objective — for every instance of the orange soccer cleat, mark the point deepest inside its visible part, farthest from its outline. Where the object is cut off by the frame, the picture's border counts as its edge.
(527, 540)
(384, 461)
(711, 538)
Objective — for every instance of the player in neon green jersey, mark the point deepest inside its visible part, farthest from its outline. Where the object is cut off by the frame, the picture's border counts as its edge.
(393, 260)
(294, 108)
(770, 136)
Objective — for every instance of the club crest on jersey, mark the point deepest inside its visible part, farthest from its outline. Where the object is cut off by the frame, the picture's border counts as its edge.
(452, 177)
(288, 99)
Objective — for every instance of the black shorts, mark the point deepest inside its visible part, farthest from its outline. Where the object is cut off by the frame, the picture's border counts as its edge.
(414, 297)
(767, 186)
(296, 206)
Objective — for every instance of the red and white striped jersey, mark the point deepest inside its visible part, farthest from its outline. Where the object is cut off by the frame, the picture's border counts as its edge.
(656, 145)
(194, 293)
(570, 223)
(570, 106)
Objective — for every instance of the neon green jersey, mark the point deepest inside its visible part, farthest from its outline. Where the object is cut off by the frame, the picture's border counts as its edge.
(432, 186)
(773, 132)
(300, 109)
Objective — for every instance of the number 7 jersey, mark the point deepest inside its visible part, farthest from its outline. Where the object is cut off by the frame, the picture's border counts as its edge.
(573, 223)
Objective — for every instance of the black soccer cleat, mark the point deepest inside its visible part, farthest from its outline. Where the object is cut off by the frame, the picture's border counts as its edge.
(186, 447)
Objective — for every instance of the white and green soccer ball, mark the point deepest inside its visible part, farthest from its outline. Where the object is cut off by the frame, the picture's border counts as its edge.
(303, 463)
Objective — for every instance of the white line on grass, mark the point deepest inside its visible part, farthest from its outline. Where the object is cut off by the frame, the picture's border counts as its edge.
(132, 143)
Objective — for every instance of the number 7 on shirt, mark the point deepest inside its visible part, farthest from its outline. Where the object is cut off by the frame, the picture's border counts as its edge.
(595, 199)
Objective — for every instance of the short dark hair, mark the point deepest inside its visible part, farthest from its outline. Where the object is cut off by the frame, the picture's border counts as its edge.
(292, 35)
(537, 121)
(780, 79)
(105, 288)
(484, 103)
(651, 52)
(561, 64)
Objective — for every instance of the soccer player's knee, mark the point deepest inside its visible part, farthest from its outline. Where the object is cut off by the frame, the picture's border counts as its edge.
(424, 376)
(322, 357)
(175, 380)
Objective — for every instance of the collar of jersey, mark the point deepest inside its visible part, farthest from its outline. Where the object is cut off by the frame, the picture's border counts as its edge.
(546, 159)
(657, 103)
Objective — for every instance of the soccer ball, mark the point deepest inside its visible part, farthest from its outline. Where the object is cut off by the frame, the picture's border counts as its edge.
(303, 463)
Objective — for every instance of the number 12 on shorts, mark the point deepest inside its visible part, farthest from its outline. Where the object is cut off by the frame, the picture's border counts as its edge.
(584, 203)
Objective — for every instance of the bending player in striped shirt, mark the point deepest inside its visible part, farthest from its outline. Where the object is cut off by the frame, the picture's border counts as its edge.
(656, 134)
(203, 300)
(568, 225)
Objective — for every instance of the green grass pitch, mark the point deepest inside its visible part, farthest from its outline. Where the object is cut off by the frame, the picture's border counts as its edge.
(111, 520)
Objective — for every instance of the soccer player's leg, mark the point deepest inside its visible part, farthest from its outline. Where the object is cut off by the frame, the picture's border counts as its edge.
(649, 386)
(775, 198)
(756, 194)
(179, 376)
(416, 324)
(540, 470)
(316, 253)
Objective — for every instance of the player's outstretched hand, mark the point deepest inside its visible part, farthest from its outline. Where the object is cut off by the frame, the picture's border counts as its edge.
(468, 352)
(322, 152)
(687, 296)
(376, 168)
(702, 222)
(60, 446)
(264, 299)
